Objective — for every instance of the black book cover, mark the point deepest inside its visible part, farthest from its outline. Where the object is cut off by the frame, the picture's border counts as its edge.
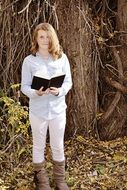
(38, 82)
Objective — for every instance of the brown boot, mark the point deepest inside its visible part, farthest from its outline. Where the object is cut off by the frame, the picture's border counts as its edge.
(59, 175)
(40, 177)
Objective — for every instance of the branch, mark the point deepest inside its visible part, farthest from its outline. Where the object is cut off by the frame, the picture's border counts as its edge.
(117, 97)
(116, 85)
(111, 108)
(118, 61)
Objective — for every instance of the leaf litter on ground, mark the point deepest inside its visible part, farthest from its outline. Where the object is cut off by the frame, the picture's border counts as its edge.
(90, 165)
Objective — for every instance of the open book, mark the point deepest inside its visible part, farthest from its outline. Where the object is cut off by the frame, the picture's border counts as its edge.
(38, 82)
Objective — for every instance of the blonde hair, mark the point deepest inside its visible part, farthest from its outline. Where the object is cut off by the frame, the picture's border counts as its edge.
(54, 46)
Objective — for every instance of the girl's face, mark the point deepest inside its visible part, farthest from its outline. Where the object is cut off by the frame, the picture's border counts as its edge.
(43, 40)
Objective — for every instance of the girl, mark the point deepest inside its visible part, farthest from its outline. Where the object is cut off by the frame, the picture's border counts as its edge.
(47, 109)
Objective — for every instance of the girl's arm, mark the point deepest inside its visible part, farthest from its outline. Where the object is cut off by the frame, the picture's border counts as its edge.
(26, 80)
(67, 84)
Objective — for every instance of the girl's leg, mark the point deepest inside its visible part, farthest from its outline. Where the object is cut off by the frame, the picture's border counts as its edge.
(39, 131)
(56, 130)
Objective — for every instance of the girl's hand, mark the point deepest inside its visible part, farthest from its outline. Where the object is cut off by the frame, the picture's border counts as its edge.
(54, 91)
(40, 92)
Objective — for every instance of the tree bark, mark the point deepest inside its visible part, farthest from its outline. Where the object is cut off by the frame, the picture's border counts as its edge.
(76, 38)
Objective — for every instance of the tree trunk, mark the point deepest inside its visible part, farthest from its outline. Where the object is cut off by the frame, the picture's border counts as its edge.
(122, 26)
(75, 37)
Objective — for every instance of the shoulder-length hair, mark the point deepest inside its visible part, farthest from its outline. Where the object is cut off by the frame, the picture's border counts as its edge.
(54, 47)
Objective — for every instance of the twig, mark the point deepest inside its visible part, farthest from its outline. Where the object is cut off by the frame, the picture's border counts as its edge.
(8, 6)
(9, 144)
(26, 7)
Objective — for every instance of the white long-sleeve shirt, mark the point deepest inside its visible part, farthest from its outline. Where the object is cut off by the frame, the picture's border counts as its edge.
(46, 106)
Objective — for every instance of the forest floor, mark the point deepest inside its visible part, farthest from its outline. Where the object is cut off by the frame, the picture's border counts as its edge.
(90, 165)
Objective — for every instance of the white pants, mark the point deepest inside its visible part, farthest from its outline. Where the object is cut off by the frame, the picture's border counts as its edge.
(56, 132)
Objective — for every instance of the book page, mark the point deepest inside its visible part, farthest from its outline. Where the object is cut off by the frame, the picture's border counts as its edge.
(57, 74)
(42, 74)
